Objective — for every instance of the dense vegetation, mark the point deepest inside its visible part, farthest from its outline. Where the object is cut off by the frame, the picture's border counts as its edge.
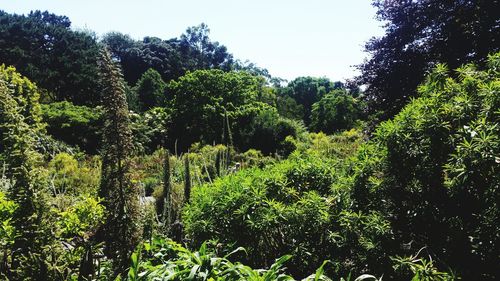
(172, 160)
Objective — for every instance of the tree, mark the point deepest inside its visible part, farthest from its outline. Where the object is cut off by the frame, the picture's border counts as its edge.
(172, 58)
(28, 189)
(200, 99)
(418, 35)
(121, 231)
(26, 95)
(61, 61)
(150, 90)
(203, 53)
(306, 91)
(264, 129)
(136, 57)
(336, 111)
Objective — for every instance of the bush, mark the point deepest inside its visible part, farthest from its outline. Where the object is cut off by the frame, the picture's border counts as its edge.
(433, 170)
(72, 178)
(160, 259)
(266, 131)
(294, 211)
(149, 129)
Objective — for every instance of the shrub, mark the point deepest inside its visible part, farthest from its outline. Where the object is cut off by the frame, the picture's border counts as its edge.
(433, 170)
(72, 178)
(266, 131)
(294, 211)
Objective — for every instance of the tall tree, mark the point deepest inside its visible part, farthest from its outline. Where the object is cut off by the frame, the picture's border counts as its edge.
(172, 58)
(136, 57)
(202, 52)
(418, 35)
(121, 231)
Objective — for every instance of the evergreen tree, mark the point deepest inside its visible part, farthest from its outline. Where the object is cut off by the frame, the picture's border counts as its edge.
(121, 231)
(28, 190)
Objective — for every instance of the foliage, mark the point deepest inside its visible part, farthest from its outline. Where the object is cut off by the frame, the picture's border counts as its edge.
(166, 260)
(341, 145)
(27, 189)
(435, 168)
(43, 46)
(418, 35)
(306, 91)
(171, 58)
(201, 98)
(7, 231)
(293, 208)
(73, 124)
(244, 171)
(150, 89)
(26, 95)
(149, 129)
(82, 218)
(266, 131)
(335, 112)
(422, 269)
(70, 177)
(202, 53)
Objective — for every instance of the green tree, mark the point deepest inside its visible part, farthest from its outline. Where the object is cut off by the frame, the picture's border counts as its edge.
(26, 95)
(121, 230)
(172, 58)
(203, 53)
(306, 91)
(264, 129)
(150, 89)
(200, 99)
(418, 35)
(43, 47)
(336, 111)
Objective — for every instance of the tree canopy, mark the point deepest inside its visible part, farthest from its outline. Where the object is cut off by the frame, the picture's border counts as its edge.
(61, 61)
(305, 91)
(418, 35)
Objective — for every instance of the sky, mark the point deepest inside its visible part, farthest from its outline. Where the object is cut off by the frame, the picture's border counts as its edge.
(290, 38)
